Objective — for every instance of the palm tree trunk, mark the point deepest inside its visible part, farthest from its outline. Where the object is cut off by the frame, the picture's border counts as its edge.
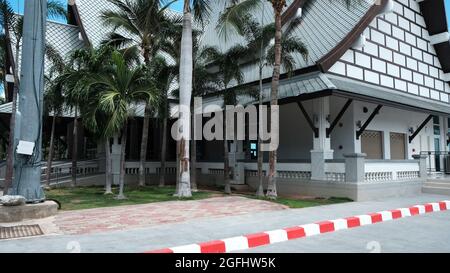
(108, 187)
(278, 6)
(144, 146)
(12, 123)
(123, 144)
(193, 156)
(162, 174)
(75, 149)
(260, 191)
(186, 71)
(226, 157)
(50, 152)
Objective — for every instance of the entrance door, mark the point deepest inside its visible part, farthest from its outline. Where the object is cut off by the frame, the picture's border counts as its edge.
(398, 143)
(372, 144)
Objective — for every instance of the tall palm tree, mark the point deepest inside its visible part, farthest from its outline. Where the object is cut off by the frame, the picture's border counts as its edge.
(229, 71)
(12, 25)
(258, 37)
(118, 90)
(201, 9)
(147, 25)
(233, 18)
(53, 100)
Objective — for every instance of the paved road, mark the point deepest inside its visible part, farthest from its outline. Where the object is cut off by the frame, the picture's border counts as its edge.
(425, 233)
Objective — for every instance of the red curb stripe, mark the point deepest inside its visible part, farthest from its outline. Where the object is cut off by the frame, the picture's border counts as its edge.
(261, 239)
(258, 239)
(414, 211)
(213, 247)
(353, 222)
(326, 226)
(376, 218)
(396, 214)
(428, 208)
(295, 232)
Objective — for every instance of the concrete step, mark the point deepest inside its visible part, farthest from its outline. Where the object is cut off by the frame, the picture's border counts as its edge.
(436, 190)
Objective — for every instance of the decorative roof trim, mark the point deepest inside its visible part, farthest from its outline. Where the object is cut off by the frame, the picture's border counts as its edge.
(327, 61)
(76, 13)
(291, 11)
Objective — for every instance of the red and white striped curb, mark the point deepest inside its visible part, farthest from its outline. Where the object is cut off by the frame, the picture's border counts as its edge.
(292, 233)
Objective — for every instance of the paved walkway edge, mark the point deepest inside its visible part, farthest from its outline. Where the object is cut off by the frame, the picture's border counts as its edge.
(297, 232)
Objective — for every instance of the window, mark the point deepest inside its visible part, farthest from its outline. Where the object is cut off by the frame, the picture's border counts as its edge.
(437, 126)
(372, 144)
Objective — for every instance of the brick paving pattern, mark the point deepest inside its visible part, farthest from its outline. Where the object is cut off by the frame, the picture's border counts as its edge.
(137, 216)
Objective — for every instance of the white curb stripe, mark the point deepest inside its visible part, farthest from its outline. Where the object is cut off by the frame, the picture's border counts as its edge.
(277, 236)
(236, 243)
(281, 235)
(365, 220)
(386, 215)
(311, 229)
(340, 224)
(194, 248)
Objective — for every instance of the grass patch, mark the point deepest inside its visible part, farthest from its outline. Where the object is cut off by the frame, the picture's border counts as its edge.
(298, 203)
(305, 203)
(93, 197)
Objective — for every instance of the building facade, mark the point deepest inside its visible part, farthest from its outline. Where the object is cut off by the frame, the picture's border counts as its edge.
(366, 115)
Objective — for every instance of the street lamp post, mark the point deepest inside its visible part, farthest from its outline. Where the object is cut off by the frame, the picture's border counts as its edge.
(28, 136)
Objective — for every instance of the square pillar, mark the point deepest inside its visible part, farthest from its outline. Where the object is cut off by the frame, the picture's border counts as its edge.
(322, 144)
(115, 160)
(355, 168)
(422, 165)
(237, 155)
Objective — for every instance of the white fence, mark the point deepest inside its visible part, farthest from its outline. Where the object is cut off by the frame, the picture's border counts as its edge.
(391, 170)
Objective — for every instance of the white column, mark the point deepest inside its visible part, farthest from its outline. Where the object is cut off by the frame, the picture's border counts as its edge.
(237, 154)
(115, 160)
(322, 145)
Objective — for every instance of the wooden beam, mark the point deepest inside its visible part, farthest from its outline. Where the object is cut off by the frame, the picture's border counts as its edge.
(339, 117)
(421, 126)
(367, 123)
(308, 119)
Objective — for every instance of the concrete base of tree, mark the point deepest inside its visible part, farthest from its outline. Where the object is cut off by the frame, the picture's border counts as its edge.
(28, 212)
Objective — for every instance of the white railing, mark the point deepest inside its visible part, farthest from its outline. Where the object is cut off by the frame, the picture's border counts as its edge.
(300, 171)
(378, 171)
(335, 171)
(132, 167)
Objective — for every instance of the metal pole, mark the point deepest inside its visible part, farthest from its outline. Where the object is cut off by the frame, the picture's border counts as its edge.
(27, 167)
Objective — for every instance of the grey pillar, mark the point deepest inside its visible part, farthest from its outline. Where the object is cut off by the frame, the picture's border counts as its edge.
(422, 165)
(115, 160)
(101, 156)
(354, 168)
(27, 168)
(237, 155)
(322, 144)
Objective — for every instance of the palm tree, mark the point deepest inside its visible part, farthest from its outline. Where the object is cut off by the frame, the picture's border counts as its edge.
(11, 22)
(234, 18)
(201, 10)
(53, 100)
(147, 25)
(258, 37)
(118, 90)
(203, 82)
(229, 71)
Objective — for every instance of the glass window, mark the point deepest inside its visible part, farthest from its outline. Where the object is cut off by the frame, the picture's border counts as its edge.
(436, 120)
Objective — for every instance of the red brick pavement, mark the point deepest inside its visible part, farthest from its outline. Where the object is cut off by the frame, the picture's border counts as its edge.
(136, 216)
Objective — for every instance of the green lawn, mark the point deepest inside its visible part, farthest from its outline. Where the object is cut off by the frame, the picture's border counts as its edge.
(93, 197)
(305, 203)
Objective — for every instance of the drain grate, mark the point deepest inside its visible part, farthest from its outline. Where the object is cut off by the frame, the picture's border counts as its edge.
(20, 232)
